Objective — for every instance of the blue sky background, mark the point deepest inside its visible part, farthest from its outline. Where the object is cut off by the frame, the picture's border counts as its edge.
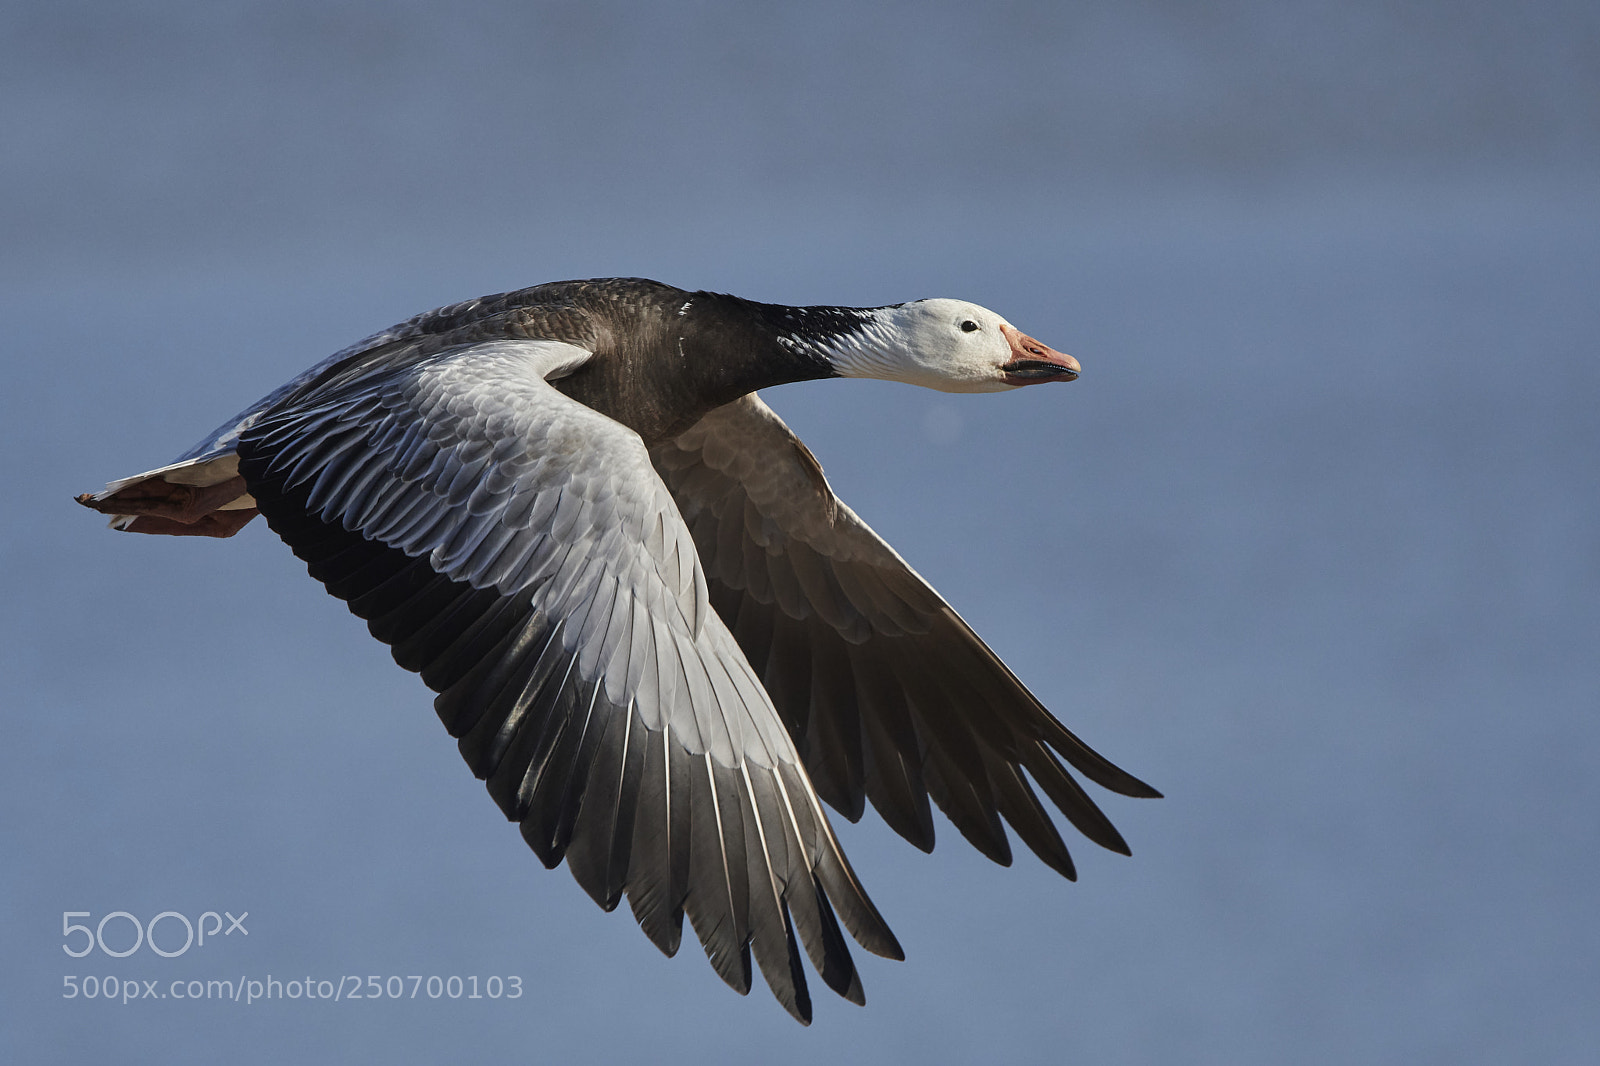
(1313, 546)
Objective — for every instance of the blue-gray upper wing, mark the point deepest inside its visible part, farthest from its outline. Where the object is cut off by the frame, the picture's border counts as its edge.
(519, 550)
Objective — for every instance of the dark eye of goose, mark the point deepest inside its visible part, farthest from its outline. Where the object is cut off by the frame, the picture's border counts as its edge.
(968, 326)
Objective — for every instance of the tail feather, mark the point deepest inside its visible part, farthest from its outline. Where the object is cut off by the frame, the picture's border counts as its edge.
(193, 497)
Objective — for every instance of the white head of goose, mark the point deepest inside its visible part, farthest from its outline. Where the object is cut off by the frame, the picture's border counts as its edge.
(655, 632)
(949, 345)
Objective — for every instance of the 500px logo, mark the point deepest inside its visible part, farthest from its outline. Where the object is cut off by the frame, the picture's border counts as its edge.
(146, 933)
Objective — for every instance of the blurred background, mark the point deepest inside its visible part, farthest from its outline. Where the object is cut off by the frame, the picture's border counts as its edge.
(1313, 545)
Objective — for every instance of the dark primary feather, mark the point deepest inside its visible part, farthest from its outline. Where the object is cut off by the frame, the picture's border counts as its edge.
(889, 694)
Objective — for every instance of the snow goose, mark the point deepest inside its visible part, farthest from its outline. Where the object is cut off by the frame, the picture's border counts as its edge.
(656, 633)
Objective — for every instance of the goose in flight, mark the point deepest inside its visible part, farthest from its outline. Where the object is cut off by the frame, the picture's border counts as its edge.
(654, 630)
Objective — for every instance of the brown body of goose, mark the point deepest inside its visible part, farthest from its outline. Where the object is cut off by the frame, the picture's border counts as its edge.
(656, 633)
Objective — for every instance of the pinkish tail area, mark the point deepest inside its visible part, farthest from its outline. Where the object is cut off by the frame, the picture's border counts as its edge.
(193, 499)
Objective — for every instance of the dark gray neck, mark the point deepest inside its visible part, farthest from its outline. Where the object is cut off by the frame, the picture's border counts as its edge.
(674, 356)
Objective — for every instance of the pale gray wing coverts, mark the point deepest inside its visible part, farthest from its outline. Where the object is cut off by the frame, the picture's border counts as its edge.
(519, 550)
(888, 693)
